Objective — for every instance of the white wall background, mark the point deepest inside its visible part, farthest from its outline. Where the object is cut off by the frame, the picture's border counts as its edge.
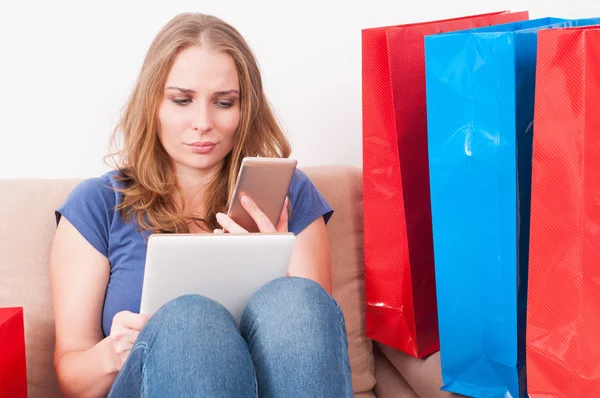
(67, 67)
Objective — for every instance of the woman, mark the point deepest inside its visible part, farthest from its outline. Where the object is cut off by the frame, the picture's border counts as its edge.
(197, 110)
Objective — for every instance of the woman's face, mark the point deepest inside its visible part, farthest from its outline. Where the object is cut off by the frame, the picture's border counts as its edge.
(200, 110)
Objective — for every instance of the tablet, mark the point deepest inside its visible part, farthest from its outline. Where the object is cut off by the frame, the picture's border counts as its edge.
(228, 268)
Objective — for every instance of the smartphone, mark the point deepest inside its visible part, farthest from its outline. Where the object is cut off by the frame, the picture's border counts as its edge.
(266, 181)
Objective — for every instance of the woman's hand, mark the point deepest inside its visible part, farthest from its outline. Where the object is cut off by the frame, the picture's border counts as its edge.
(262, 221)
(124, 331)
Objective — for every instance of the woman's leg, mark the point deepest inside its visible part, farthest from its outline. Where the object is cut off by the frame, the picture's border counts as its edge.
(190, 347)
(297, 338)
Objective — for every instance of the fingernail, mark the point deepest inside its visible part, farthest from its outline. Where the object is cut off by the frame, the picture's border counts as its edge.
(245, 199)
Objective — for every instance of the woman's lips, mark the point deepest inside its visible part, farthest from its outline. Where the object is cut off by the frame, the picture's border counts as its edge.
(201, 147)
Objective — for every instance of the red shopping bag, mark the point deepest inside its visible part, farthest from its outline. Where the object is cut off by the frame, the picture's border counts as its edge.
(399, 269)
(563, 310)
(13, 377)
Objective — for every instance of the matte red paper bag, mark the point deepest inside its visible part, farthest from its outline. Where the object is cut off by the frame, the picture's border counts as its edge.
(399, 268)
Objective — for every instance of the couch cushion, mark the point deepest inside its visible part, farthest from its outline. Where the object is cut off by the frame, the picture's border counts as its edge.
(390, 384)
(342, 187)
(423, 375)
(27, 226)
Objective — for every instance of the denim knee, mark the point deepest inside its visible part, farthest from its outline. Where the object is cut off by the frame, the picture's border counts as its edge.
(292, 301)
(296, 335)
(190, 347)
(190, 312)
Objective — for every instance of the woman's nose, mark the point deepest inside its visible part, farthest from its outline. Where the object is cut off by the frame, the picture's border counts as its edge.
(203, 121)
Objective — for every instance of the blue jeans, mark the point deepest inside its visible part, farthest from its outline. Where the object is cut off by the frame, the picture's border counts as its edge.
(291, 343)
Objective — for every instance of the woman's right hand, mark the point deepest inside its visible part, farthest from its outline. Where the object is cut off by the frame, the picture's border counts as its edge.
(262, 221)
(124, 331)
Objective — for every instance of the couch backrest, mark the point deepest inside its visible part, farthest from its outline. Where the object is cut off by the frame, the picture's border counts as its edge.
(27, 226)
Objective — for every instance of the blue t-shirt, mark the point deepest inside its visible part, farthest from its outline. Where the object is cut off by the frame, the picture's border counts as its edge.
(90, 208)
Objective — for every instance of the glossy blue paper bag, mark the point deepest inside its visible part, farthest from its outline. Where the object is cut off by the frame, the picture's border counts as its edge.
(480, 97)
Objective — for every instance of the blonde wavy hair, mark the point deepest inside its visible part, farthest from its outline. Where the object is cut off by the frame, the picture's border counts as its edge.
(144, 166)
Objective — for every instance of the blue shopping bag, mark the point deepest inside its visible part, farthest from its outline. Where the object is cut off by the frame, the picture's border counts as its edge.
(480, 98)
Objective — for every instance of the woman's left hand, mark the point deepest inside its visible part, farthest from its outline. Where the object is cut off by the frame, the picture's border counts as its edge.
(262, 221)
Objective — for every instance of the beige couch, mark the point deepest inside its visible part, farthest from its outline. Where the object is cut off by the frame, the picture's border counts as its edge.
(27, 225)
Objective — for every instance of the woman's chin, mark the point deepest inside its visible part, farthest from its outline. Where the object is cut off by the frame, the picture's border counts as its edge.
(205, 163)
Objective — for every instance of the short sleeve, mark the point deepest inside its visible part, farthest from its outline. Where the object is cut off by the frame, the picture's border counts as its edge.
(90, 208)
(307, 203)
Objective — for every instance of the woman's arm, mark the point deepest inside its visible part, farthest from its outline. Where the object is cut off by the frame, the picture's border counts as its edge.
(310, 258)
(85, 362)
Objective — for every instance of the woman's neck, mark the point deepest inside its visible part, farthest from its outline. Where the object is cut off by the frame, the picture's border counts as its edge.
(192, 184)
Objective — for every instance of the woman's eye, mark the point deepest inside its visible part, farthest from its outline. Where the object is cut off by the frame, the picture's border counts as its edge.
(182, 102)
(225, 104)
